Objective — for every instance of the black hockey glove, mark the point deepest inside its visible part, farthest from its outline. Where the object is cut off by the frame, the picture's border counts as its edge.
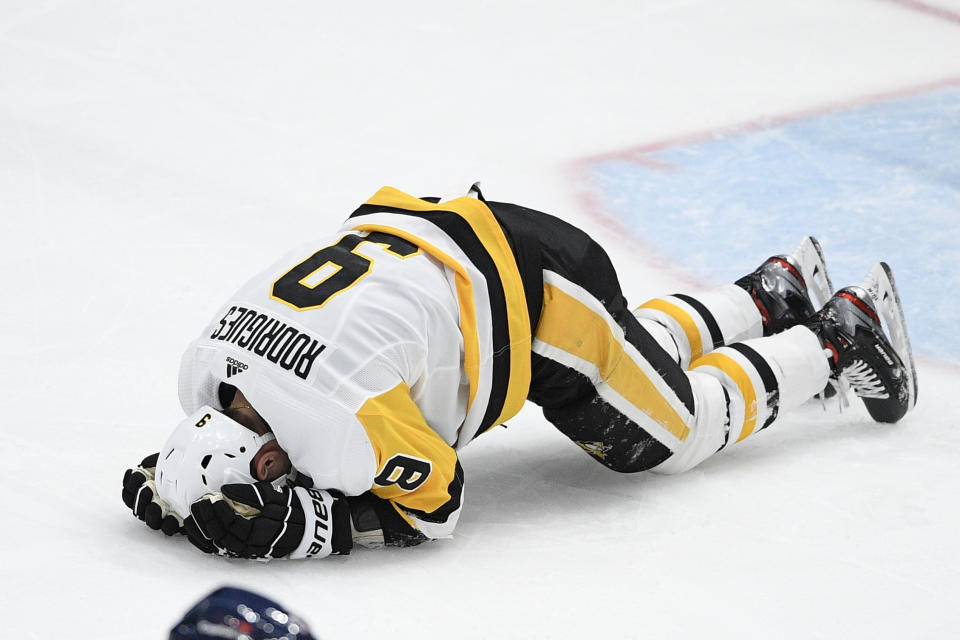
(376, 523)
(259, 521)
(140, 495)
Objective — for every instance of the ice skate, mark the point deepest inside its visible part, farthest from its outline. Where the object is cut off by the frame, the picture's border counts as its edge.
(877, 364)
(784, 286)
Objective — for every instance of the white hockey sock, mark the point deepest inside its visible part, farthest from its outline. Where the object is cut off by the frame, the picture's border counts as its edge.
(760, 377)
(701, 323)
(797, 359)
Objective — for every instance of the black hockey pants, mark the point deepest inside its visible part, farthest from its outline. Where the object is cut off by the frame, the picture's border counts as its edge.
(550, 250)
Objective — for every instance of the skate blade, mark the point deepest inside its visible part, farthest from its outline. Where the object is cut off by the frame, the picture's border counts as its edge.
(813, 267)
(882, 289)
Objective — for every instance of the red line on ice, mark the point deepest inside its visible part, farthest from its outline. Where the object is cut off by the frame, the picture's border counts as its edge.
(635, 154)
(578, 171)
(933, 10)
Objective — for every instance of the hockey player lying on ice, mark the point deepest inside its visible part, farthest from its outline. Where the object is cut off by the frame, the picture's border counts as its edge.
(327, 399)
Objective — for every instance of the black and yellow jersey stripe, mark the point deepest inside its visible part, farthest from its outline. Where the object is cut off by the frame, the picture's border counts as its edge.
(495, 320)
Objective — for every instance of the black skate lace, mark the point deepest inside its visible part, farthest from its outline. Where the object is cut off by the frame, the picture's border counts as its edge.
(865, 381)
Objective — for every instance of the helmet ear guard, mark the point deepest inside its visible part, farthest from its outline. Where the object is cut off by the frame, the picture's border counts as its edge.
(205, 451)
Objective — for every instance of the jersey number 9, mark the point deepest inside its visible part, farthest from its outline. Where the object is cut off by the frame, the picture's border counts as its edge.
(348, 268)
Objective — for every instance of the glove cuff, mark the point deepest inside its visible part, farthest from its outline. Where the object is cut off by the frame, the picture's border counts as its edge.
(318, 529)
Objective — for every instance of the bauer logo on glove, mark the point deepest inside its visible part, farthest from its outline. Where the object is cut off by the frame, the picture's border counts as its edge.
(262, 522)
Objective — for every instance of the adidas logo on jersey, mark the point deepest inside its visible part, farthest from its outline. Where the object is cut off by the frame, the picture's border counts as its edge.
(272, 339)
(235, 367)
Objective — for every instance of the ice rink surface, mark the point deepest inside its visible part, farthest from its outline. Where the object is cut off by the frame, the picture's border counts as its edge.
(153, 156)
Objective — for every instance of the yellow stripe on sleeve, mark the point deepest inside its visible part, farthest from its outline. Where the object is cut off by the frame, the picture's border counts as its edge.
(399, 432)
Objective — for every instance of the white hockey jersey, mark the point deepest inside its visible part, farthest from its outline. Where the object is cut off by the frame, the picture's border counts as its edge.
(376, 353)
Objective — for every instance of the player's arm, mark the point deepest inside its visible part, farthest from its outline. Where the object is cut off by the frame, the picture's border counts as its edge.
(417, 472)
(416, 493)
(262, 522)
(258, 521)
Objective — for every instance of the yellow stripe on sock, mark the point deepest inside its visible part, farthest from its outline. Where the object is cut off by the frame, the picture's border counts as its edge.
(743, 381)
(684, 319)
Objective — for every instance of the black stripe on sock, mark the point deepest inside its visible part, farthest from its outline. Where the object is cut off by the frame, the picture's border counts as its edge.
(715, 334)
(770, 384)
(726, 424)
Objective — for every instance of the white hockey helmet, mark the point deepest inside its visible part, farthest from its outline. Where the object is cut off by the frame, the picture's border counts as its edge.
(206, 451)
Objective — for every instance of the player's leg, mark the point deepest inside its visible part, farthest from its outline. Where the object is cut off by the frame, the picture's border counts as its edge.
(616, 392)
(602, 380)
(768, 375)
(771, 299)
(617, 388)
(610, 385)
(586, 388)
(751, 382)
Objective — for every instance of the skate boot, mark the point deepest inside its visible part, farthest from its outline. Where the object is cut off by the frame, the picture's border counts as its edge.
(781, 287)
(877, 366)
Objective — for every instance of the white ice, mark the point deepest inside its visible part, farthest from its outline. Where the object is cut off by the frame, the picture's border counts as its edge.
(155, 155)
